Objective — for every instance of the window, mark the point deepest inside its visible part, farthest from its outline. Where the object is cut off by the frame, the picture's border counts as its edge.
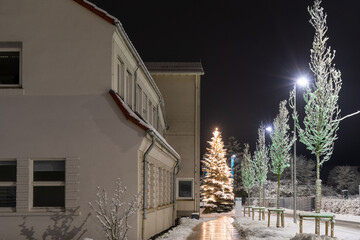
(7, 184)
(150, 114)
(49, 183)
(9, 67)
(129, 88)
(120, 77)
(144, 106)
(185, 188)
(139, 99)
(154, 117)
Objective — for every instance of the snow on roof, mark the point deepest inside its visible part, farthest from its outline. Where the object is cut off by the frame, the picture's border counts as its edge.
(140, 122)
(98, 11)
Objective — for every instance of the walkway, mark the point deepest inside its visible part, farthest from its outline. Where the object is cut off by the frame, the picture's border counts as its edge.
(218, 229)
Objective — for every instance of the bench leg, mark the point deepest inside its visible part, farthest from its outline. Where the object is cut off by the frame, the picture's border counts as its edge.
(263, 215)
(332, 229)
(301, 225)
(252, 214)
(282, 220)
(317, 223)
(259, 215)
(326, 228)
(268, 219)
(244, 211)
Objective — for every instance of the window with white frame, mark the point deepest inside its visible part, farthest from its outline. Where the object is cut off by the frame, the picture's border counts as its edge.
(129, 88)
(154, 117)
(7, 184)
(150, 114)
(144, 114)
(138, 99)
(48, 185)
(10, 65)
(120, 77)
(185, 188)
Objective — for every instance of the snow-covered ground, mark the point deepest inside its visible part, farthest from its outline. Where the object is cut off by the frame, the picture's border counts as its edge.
(183, 230)
(256, 230)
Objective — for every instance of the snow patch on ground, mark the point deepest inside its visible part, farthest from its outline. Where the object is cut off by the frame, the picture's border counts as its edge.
(183, 230)
(256, 230)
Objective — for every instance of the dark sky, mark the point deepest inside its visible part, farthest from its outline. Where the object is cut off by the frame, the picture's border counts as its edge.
(251, 53)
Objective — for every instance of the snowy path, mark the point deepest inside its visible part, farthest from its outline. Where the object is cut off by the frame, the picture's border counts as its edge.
(217, 229)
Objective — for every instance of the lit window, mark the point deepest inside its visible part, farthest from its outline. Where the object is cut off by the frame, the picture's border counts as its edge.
(185, 188)
(49, 183)
(7, 184)
(9, 67)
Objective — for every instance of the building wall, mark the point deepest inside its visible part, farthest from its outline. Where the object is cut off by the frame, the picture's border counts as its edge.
(62, 41)
(63, 110)
(90, 128)
(182, 103)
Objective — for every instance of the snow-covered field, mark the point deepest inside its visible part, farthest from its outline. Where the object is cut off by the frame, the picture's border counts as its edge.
(256, 230)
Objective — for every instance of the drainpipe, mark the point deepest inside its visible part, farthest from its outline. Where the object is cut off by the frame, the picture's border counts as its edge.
(150, 132)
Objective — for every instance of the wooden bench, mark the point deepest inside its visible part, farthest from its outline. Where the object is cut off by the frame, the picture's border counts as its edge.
(318, 217)
(247, 207)
(261, 211)
(277, 210)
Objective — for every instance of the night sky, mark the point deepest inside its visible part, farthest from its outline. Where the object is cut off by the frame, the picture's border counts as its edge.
(251, 52)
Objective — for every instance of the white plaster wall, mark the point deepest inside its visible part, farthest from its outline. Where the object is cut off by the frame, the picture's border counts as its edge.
(89, 127)
(62, 41)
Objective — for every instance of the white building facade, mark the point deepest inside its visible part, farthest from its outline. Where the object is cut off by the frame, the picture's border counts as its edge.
(79, 110)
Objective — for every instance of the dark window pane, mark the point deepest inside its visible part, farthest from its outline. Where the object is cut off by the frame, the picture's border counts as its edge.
(8, 196)
(49, 170)
(49, 196)
(185, 189)
(9, 67)
(7, 171)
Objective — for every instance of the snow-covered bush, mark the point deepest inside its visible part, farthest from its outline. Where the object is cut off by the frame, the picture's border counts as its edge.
(341, 206)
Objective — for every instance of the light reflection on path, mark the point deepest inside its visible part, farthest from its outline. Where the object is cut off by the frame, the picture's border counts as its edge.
(220, 228)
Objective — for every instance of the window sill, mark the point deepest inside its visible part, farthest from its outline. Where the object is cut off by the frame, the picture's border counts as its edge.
(12, 91)
(38, 212)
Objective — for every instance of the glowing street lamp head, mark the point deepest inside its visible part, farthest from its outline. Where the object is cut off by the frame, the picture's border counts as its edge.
(302, 81)
(269, 129)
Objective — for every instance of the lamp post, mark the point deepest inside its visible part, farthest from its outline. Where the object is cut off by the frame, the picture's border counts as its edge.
(269, 129)
(302, 81)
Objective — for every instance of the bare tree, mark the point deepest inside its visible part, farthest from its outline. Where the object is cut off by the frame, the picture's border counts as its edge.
(114, 216)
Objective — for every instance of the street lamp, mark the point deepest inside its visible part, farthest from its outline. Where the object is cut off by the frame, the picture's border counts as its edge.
(269, 129)
(301, 81)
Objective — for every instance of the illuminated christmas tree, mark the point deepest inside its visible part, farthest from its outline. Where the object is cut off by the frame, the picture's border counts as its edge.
(217, 191)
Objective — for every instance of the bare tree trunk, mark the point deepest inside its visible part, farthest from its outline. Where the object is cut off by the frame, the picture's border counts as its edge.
(259, 194)
(278, 203)
(318, 194)
(248, 198)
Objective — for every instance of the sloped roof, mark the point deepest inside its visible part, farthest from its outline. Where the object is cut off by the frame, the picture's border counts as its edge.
(175, 67)
(98, 11)
(140, 122)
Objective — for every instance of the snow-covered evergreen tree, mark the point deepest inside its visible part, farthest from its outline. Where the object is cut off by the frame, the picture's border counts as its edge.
(280, 148)
(217, 190)
(233, 148)
(260, 160)
(344, 177)
(247, 171)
